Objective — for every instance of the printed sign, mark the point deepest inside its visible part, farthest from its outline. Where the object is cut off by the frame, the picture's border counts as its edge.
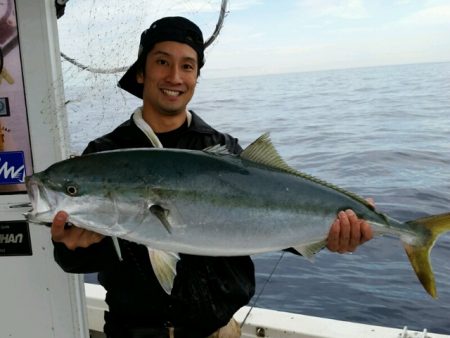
(15, 149)
(15, 239)
(12, 167)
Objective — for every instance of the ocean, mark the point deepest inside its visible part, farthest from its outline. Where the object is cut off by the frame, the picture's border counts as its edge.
(382, 132)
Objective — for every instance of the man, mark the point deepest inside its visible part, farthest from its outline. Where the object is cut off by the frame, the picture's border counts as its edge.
(207, 291)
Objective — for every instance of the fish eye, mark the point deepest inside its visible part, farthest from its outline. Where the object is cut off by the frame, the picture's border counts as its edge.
(71, 189)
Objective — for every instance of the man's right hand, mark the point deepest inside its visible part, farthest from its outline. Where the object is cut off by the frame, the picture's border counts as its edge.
(73, 237)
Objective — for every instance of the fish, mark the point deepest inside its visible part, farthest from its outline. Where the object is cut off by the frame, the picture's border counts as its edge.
(213, 203)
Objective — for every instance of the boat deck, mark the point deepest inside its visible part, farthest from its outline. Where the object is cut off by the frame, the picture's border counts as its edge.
(273, 324)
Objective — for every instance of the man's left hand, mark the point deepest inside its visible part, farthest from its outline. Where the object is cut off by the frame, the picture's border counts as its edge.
(348, 232)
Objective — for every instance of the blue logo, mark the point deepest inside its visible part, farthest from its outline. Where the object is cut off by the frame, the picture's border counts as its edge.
(12, 167)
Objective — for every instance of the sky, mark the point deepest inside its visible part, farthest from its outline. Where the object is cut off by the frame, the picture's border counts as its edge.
(304, 35)
(264, 37)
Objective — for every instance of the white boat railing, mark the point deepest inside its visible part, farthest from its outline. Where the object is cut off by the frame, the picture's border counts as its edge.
(273, 324)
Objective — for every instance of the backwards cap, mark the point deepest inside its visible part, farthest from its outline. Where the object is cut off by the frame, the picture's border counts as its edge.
(176, 29)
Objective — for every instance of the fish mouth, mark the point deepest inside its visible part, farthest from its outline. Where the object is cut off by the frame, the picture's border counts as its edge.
(41, 207)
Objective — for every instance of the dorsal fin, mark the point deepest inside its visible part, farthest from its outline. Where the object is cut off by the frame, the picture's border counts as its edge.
(263, 152)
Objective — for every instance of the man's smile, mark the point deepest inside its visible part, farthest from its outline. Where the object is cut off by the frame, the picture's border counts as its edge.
(170, 92)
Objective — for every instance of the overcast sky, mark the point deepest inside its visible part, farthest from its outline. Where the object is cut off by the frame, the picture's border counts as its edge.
(262, 36)
(289, 35)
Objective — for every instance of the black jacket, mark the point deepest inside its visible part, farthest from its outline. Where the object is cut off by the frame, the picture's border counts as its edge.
(207, 290)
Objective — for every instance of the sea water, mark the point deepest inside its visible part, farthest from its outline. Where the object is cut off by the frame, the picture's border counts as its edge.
(382, 132)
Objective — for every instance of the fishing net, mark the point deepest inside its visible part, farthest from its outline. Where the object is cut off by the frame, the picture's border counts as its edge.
(99, 39)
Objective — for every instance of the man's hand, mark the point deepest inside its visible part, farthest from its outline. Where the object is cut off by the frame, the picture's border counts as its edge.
(348, 232)
(73, 237)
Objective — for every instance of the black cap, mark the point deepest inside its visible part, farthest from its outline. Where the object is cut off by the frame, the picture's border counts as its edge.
(176, 29)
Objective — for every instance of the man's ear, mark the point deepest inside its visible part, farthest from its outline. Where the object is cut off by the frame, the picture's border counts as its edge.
(140, 77)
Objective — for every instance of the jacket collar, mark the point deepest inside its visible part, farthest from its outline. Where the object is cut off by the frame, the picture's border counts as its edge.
(195, 124)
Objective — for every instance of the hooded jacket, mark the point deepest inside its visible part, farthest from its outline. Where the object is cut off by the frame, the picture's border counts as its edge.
(207, 291)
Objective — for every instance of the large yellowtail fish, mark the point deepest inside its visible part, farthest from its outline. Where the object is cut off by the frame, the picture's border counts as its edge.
(213, 203)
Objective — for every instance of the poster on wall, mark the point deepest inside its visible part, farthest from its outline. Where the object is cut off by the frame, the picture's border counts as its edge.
(15, 150)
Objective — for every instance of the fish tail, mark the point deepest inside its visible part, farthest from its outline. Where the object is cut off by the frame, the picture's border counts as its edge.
(419, 253)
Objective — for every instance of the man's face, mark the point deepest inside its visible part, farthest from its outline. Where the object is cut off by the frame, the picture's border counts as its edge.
(170, 78)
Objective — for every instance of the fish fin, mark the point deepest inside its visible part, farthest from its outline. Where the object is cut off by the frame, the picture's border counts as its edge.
(218, 150)
(161, 214)
(308, 251)
(164, 266)
(262, 151)
(117, 247)
(419, 253)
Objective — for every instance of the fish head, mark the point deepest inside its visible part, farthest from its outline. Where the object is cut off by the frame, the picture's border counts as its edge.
(66, 186)
(48, 196)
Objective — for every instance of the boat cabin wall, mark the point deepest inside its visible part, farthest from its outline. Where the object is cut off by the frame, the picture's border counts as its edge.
(37, 298)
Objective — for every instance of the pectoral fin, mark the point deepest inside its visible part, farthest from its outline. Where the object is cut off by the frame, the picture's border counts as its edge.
(161, 214)
(308, 251)
(164, 266)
